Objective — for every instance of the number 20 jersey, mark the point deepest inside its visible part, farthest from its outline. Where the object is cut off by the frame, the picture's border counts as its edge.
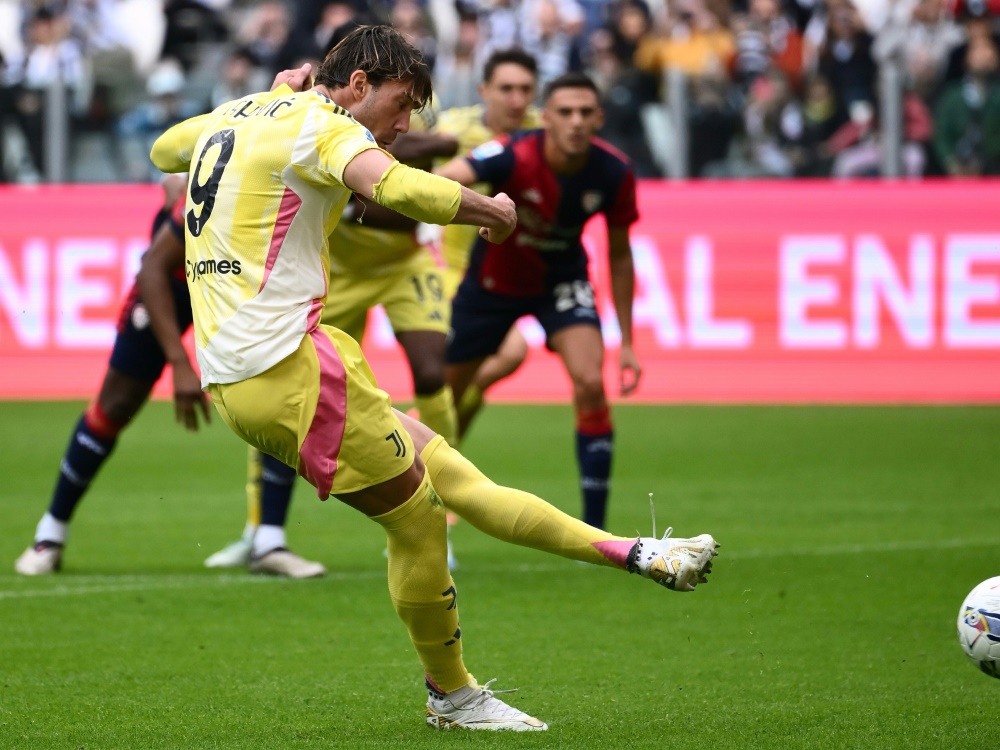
(265, 192)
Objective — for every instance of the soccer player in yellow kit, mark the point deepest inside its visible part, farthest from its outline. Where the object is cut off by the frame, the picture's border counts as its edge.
(269, 177)
(510, 78)
(375, 258)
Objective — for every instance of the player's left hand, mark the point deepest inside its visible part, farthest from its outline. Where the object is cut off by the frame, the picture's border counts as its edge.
(189, 397)
(299, 79)
(629, 369)
(506, 220)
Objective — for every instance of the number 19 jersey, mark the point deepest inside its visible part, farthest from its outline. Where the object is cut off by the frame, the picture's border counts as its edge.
(266, 189)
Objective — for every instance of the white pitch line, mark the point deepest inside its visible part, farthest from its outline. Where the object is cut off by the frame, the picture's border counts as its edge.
(107, 584)
(115, 584)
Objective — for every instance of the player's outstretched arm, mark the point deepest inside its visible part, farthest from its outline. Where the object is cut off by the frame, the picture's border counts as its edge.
(426, 197)
(623, 293)
(415, 149)
(166, 255)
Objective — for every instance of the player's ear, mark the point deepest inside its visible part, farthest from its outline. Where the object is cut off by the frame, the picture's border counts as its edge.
(358, 84)
(599, 118)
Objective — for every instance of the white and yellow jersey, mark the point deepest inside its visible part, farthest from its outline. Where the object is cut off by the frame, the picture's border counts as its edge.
(467, 125)
(265, 192)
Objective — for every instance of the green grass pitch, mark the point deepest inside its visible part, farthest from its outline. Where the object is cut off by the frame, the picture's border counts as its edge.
(850, 537)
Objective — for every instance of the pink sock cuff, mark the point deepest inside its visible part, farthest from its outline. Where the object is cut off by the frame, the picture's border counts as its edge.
(614, 550)
(433, 686)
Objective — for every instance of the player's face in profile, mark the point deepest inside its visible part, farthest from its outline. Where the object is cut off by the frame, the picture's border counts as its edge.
(571, 116)
(507, 95)
(386, 110)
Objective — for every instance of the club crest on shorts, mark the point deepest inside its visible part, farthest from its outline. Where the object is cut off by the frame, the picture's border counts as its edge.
(398, 442)
(140, 317)
(591, 200)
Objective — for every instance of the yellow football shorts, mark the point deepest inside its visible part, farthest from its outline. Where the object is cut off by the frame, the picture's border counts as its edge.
(412, 293)
(320, 411)
(452, 280)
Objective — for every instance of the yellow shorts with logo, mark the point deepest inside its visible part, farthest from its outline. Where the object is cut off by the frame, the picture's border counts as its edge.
(412, 293)
(320, 411)
(452, 280)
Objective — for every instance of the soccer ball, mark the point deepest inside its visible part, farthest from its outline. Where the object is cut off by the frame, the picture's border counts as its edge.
(979, 626)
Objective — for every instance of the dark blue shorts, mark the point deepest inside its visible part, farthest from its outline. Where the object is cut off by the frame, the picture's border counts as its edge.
(137, 353)
(480, 319)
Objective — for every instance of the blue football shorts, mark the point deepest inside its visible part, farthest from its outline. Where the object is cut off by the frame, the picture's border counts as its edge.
(136, 353)
(480, 319)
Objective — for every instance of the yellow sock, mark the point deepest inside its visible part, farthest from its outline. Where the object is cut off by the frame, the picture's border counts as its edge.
(437, 411)
(254, 466)
(421, 587)
(471, 400)
(516, 516)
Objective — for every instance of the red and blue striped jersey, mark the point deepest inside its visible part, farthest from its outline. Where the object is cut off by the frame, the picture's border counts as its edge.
(552, 209)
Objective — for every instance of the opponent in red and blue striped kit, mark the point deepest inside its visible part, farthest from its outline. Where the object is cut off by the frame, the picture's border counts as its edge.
(546, 249)
(559, 177)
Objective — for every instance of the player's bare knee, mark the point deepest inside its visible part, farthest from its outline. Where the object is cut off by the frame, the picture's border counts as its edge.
(514, 348)
(121, 404)
(428, 378)
(121, 396)
(588, 392)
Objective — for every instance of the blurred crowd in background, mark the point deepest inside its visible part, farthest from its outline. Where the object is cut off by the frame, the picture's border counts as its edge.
(772, 88)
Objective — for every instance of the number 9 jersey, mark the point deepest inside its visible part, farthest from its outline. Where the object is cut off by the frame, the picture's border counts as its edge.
(265, 192)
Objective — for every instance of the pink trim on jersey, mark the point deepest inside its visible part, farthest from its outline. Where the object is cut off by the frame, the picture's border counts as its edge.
(315, 314)
(287, 209)
(321, 448)
(615, 551)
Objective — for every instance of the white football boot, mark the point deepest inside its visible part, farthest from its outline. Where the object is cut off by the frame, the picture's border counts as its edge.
(477, 708)
(235, 555)
(285, 563)
(40, 559)
(679, 564)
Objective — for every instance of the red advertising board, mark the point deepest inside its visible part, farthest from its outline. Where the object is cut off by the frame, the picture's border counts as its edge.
(745, 292)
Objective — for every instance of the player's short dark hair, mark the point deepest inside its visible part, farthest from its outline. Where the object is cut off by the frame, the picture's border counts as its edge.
(570, 81)
(512, 56)
(382, 54)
